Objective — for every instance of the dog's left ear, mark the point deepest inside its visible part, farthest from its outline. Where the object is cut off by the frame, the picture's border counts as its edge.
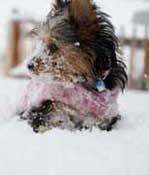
(84, 17)
(59, 4)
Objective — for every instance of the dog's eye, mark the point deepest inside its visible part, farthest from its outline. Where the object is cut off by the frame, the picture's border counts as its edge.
(52, 47)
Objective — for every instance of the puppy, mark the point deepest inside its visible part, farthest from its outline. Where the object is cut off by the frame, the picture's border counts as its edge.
(77, 49)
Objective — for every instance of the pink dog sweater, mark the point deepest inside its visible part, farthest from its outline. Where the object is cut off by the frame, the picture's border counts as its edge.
(100, 104)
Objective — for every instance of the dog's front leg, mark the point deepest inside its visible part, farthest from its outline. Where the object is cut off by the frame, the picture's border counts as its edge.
(107, 124)
(38, 117)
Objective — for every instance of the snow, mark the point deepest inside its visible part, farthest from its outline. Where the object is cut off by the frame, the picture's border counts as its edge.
(9, 96)
(123, 151)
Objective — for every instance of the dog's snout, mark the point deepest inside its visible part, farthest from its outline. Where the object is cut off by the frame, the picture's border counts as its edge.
(30, 66)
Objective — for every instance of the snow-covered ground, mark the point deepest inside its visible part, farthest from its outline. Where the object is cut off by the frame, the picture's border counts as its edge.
(124, 151)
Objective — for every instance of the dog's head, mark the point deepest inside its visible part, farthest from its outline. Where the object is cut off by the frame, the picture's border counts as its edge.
(78, 42)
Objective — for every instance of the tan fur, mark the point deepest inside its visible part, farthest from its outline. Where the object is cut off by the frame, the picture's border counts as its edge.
(85, 18)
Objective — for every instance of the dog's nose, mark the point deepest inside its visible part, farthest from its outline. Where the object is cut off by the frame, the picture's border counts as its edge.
(30, 66)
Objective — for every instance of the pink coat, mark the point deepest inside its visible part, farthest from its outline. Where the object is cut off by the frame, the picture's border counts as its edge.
(101, 104)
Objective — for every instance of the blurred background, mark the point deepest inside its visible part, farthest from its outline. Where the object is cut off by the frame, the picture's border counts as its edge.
(130, 17)
(123, 151)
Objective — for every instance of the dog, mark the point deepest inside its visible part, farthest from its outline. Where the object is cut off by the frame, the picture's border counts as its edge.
(77, 46)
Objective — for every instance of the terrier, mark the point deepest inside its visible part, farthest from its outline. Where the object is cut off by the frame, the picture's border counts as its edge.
(78, 61)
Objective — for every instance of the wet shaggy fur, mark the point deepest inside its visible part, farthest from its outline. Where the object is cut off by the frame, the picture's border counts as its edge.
(82, 46)
(95, 35)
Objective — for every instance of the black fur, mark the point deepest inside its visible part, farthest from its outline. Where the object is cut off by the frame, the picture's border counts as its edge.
(107, 52)
(60, 4)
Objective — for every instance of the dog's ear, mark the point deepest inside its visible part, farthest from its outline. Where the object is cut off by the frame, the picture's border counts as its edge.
(84, 17)
(59, 3)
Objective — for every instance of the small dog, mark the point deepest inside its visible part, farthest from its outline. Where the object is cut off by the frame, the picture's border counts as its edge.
(77, 46)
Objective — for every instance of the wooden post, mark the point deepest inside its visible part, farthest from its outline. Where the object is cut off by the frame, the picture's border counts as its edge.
(146, 61)
(13, 52)
(146, 71)
(132, 57)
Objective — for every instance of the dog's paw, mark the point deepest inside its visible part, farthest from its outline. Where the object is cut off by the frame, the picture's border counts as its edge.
(38, 117)
(39, 124)
(108, 124)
